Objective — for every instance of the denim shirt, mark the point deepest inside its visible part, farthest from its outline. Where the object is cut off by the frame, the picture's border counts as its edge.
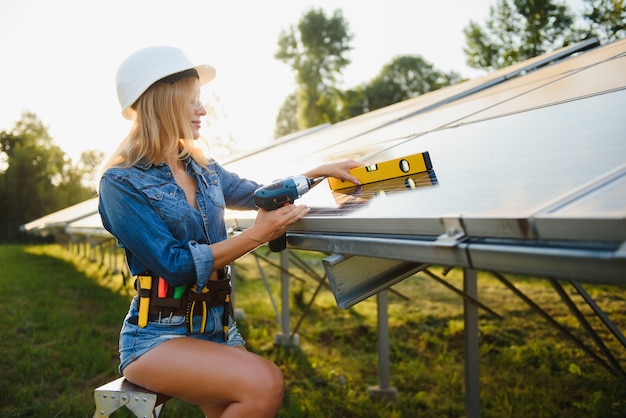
(147, 212)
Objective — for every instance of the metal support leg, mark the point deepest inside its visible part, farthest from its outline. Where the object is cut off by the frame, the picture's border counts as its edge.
(552, 321)
(600, 313)
(472, 375)
(460, 293)
(284, 292)
(384, 388)
(285, 337)
(587, 327)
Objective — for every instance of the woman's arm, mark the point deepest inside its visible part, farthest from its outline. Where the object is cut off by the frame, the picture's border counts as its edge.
(268, 226)
(271, 225)
(339, 170)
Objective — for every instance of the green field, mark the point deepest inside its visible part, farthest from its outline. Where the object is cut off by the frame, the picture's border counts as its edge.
(61, 317)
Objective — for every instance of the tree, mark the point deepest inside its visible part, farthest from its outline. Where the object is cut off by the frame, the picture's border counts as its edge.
(34, 166)
(79, 179)
(403, 78)
(518, 30)
(286, 121)
(37, 178)
(317, 52)
(354, 102)
(606, 18)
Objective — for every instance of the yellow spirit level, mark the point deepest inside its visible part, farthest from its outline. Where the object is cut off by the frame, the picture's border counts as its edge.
(397, 167)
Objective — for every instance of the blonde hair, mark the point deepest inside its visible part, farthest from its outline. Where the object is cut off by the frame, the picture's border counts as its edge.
(161, 116)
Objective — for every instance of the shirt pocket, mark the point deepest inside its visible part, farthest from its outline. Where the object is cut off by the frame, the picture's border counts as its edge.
(213, 189)
(169, 202)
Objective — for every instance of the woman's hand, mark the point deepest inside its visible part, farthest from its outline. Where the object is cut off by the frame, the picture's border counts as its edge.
(339, 170)
(270, 225)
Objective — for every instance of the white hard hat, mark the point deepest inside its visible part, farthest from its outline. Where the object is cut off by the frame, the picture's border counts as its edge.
(140, 70)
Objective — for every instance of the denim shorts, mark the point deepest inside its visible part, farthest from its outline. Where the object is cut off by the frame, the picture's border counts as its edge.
(135, 341)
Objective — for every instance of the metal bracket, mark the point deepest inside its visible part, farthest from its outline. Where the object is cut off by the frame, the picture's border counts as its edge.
(118, 393)
(108, 402)
(355, 278)
(455, 231)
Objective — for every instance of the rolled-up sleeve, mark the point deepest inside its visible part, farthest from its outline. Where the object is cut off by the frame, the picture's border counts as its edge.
(203, 261)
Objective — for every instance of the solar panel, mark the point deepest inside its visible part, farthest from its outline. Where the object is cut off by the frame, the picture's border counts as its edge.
(59, 219)
(89, 225)
(526, 161)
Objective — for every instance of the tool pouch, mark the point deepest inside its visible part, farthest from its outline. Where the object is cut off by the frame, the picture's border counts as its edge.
(150, 304)
(189, 304)
(215, 293)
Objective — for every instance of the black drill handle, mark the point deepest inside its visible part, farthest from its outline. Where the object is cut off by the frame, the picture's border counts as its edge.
(278, 244)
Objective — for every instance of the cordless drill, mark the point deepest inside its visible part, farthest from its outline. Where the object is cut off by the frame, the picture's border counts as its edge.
(280, 193)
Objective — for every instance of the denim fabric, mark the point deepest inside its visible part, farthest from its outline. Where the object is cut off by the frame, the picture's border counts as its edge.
(147, 212)
(135, 341)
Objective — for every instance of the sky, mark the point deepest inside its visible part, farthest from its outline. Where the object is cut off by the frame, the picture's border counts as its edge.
(59, 58)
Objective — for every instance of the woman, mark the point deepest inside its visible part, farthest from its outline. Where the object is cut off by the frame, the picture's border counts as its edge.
(164, 201)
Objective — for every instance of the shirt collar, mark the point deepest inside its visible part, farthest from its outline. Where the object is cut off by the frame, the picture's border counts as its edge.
(146, 165)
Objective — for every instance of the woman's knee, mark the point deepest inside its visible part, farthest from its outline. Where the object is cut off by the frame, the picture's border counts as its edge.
(279, 381)
(274, 381)
(270, 385)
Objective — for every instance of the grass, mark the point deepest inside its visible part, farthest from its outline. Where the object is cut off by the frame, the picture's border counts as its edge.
(61, 318)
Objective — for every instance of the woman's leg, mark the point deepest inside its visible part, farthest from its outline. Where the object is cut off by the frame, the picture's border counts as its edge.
(217, 377)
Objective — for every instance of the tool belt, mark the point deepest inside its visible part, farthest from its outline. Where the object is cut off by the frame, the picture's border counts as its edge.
(160, 302)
